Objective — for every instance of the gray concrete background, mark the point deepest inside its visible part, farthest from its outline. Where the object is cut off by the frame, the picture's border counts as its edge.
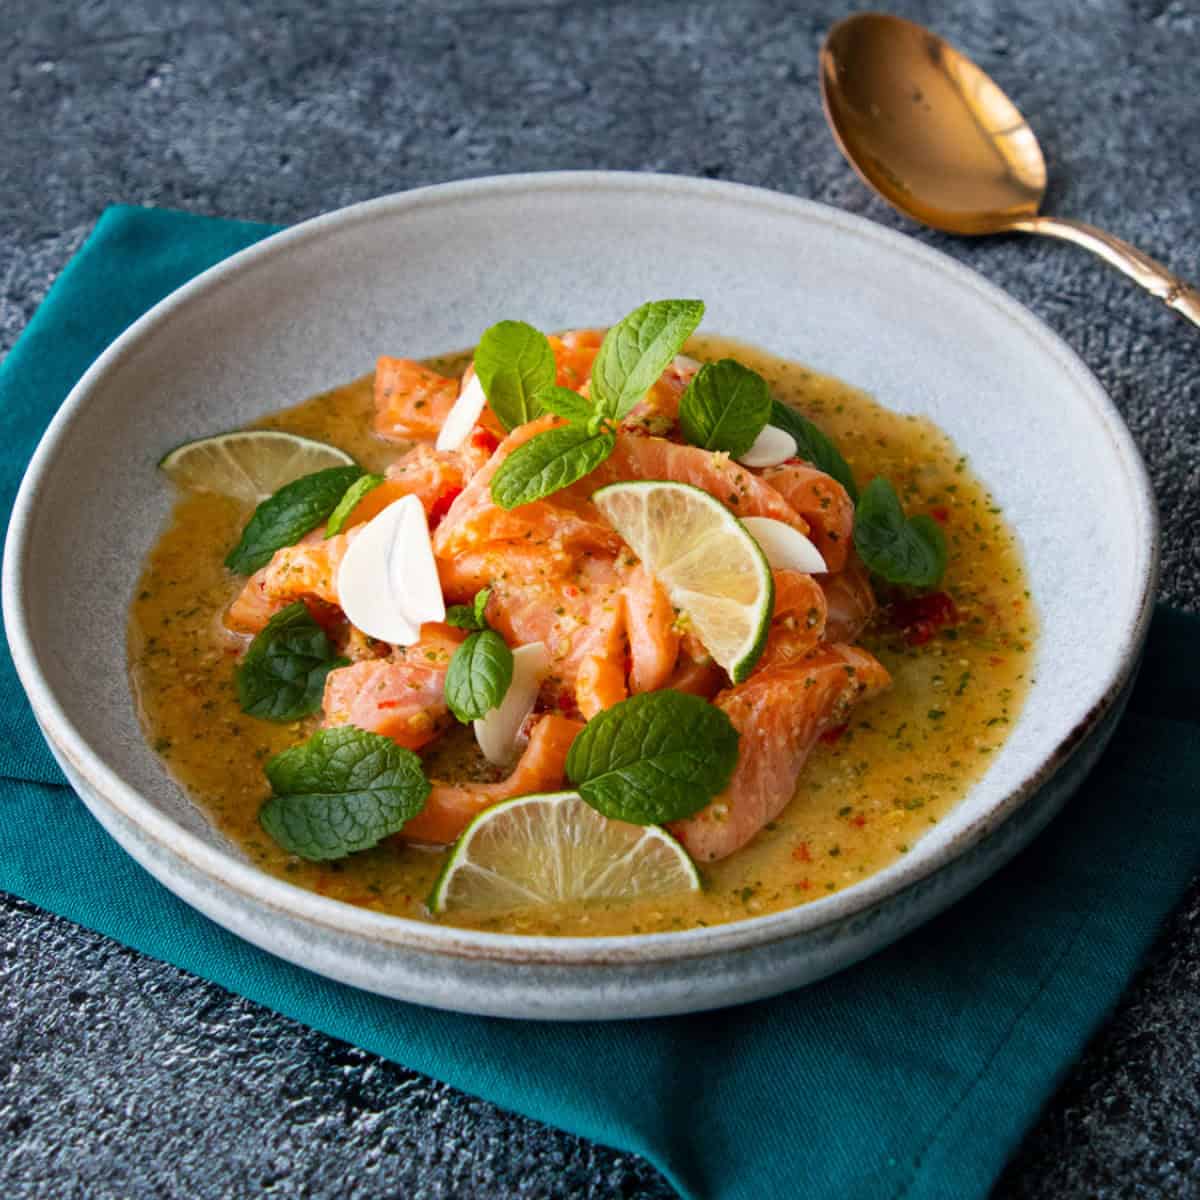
(120, 1076)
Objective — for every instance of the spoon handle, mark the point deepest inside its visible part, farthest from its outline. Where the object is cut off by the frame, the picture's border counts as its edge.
(1141, 268)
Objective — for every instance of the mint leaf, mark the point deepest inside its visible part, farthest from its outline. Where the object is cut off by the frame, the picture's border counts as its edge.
(470, 616)
(478, 676)
(637, 350)
(343, 790)
(813, 446)
(725, 407)
(283, 519)
(655, 757)
(567, 404)
(550, 461)
(907, 550)
(349, 501)
(282, 677)
(479, 604)
(514, 363)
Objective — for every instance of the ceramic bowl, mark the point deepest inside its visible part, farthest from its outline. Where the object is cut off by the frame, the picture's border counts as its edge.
(426, 270)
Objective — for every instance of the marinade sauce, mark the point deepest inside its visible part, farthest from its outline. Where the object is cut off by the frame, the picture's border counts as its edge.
(869, 791)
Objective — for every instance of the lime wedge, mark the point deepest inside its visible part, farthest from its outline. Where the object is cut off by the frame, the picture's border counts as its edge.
(548, 849)
(250, 464)
(713, 570)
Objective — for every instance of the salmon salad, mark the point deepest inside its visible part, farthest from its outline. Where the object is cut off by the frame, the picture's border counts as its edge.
(610, 630)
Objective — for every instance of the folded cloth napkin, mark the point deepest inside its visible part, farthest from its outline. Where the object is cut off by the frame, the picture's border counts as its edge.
(911, 1075)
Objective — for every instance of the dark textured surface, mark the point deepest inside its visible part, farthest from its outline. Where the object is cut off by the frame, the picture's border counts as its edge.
(123, 1077)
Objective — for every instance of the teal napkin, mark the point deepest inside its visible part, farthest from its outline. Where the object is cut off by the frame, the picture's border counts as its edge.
(911, 1076)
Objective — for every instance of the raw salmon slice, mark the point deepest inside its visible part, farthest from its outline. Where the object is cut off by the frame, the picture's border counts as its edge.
(850, 601)
(580, 618)
(798, 624)
(450, 807)
(433, 476)
(779, 714)
(305, 571)
(823, 503)
(744, 493)
(653, 635)
(574, 353)
(401, 697)
(567, 519)
(411, 401)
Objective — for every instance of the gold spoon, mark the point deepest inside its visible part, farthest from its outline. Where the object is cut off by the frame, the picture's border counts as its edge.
(937, 139)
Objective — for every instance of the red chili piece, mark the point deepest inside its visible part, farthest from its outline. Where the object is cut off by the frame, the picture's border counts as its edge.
(441, 506)
(834, 733)
(328, 616)
(484, 439)
(922, 616)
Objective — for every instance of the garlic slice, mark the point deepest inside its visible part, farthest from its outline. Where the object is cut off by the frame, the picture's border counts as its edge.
(786, 548)
(499, 729)
(463, 414)
(772, 447)
(388, 583)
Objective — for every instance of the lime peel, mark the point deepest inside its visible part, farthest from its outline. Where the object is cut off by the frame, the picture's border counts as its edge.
(553, 849)
(248, 464)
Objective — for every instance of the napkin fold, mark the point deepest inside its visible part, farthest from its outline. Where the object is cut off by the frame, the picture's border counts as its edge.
(910, 1076)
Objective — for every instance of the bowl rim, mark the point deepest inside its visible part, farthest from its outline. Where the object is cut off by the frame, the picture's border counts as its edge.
(255, 886)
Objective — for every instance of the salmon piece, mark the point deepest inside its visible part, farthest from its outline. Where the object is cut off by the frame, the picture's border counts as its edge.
(401, 697)
(499, 563)
(252, 608)
(502, 563)
(305, 571)
(653, 636)
(566, 519)
(569, 519)
(658, 413)
(435, 477)
(850, 601)
(577, 616)
(574, 353)
(823, 503)
(779, 714)
(411, 401)
(745, 494)
(599, 684)
(699, 676)
(450, 808)
(798, 623)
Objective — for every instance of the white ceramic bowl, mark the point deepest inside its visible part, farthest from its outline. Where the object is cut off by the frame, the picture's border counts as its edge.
(427, 270)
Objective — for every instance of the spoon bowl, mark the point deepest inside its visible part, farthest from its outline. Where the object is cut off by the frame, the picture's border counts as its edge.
(940, 141)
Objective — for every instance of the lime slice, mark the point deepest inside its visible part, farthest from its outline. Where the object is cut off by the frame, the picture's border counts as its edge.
(250, 464)
(548, 849)
(713, 570)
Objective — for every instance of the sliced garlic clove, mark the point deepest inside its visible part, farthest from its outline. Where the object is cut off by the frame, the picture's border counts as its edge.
(412, 569)
(387, 582)
(463, 414)
(786, 548)
(772, 447)
(685, 366)
(498, 730)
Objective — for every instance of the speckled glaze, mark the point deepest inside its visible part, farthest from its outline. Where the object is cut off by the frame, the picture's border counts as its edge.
(426, 270)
